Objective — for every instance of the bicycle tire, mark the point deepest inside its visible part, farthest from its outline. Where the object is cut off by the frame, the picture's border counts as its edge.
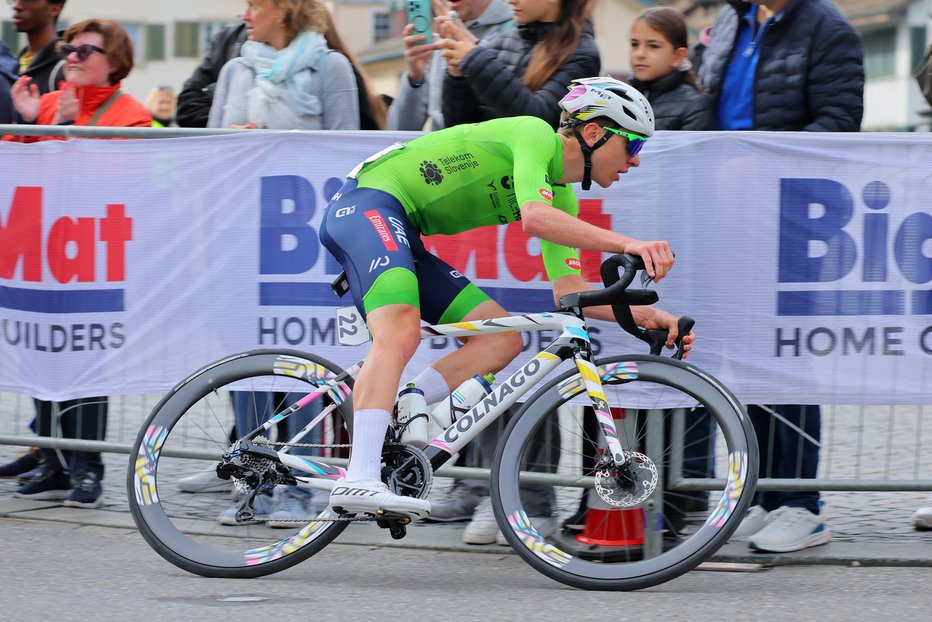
(194, 419)
(606, 553)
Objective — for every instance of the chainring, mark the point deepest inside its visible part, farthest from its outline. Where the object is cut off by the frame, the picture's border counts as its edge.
(406, 470)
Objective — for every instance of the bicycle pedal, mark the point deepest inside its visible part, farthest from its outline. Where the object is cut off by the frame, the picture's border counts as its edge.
(402, 519)
(396, 526)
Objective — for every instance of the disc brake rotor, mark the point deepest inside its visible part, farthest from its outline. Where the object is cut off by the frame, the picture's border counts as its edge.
(618, 494)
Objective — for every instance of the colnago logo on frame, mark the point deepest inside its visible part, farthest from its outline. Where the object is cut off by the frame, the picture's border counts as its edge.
(844, 257)
(74, 265)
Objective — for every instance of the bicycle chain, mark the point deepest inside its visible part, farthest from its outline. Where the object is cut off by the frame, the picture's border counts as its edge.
(268, 443)
(348, 519)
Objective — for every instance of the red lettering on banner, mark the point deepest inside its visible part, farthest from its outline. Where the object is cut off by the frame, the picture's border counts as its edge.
(382, 229)
(21, 236)
(458, 249)
(81, 265)
(71, 244)
(482, 246)
(521, 264)
(116, 230)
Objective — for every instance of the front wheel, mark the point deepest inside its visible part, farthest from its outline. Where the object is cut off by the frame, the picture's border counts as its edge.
(667, 513)
(188, 514)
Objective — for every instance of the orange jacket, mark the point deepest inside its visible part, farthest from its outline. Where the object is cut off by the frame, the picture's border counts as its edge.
(126, 111)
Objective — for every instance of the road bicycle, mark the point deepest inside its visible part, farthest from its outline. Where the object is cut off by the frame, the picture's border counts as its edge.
(613, 443)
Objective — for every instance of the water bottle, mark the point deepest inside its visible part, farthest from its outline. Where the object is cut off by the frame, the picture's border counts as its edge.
(412, 416)
(460, 401)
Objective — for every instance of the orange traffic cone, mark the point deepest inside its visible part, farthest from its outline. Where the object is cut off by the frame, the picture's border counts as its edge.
(610, 531)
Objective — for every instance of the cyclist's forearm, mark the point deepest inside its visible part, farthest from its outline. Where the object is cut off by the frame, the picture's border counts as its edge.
(542, 221)
(571, 283)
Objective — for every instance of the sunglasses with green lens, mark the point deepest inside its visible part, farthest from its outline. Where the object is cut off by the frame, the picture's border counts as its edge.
(635, 142)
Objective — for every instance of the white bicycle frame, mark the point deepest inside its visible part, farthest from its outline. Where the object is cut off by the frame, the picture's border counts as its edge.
(573, 342)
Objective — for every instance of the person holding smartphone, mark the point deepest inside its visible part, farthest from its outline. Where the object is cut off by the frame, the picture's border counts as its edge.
(420, 96)
(523, 71)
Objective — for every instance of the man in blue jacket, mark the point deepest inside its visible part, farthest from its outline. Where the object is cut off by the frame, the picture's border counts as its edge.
(784, 65)
(8, 74)
(791, 65)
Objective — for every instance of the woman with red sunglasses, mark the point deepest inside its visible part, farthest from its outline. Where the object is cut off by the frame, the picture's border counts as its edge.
(98, 54)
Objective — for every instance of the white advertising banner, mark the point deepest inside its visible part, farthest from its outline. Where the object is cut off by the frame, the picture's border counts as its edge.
(806, 259)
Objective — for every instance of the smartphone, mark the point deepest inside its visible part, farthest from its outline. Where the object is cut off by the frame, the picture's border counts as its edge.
(419, 15)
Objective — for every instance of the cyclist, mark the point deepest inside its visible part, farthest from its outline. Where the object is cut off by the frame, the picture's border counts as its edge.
(453, 180)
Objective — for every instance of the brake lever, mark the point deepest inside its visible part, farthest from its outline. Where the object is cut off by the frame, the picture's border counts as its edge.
(683, 328)
(658, 337)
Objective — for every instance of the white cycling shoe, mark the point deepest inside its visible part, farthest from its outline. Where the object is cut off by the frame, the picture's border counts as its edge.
(374, 497)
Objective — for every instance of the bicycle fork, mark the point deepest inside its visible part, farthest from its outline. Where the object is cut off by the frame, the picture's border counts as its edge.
(593, 385)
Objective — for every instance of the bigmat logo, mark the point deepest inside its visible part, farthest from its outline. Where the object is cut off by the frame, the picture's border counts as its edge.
(67, 253)
(826, 236)
(290, 246)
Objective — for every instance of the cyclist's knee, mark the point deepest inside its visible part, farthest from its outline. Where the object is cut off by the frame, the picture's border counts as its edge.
(396, 327)
(502, 349)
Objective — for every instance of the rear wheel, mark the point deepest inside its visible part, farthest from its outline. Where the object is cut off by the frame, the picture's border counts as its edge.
(626, 530)
(188, 514)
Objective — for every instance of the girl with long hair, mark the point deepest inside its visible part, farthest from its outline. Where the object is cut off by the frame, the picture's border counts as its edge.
(663, 72)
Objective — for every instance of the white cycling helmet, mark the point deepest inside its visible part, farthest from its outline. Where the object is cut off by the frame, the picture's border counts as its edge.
(590, 98)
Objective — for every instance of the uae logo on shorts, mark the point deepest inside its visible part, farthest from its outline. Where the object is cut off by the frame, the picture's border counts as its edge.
(431, 173)
(546, 194)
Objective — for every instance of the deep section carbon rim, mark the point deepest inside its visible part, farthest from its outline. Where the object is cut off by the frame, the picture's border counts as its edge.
(187, 513)
(684, 433)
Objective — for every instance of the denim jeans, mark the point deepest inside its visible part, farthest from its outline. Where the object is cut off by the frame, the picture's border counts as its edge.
(784, 453)
(85, 419)
(253, 408)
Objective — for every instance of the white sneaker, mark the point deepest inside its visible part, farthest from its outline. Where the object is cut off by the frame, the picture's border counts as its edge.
(204, 481)
(791, 529)
(297, 509)
(371, 496)
(455, 505)
(922, 519)
(546, 526)
(756, 519)
(482, 529)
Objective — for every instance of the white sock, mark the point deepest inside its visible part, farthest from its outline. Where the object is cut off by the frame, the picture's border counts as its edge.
(369, 427)
(433, 385)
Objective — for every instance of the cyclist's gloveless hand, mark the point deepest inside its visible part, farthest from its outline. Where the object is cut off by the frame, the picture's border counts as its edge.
(657, 256)
(652, 318)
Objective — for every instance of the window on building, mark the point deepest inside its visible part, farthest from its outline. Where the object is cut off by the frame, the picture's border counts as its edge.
(187, 40)
(155, 42)
(917, 45)
(381, 26)
(879, 53)
(10, 36)
(135, 33)
(209, 30)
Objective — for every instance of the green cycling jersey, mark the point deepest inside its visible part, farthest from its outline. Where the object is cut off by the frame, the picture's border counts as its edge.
(470, 176)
